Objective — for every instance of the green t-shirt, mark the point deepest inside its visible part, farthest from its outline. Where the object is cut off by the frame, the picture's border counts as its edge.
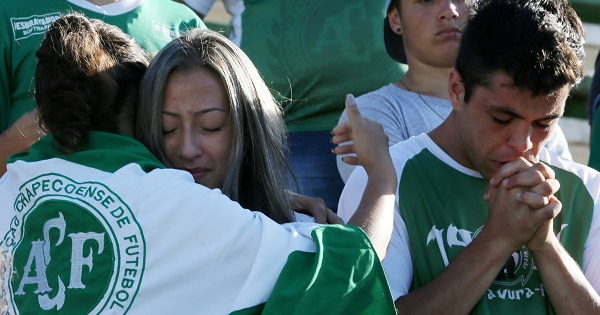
(312, 53)
(152, 23)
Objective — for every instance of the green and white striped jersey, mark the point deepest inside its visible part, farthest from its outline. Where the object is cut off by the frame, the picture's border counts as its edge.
(440, 209)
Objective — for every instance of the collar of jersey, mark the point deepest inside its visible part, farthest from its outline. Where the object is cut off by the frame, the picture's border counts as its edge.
(104, 151)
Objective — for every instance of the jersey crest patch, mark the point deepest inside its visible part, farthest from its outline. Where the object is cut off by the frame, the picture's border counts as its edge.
(72, 247)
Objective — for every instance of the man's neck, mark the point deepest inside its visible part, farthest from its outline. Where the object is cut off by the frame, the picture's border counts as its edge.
(428, 81)
(102, 2)
(447, 137)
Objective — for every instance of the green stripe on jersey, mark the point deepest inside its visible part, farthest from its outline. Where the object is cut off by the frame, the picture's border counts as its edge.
(343, 276)
(577, 212)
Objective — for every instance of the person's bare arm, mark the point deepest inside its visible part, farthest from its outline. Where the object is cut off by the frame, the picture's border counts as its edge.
(19, 137)
(466, 279)
(375, 213)
(565, 284)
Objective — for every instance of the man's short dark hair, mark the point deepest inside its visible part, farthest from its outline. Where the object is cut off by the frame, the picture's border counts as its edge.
(537, 43)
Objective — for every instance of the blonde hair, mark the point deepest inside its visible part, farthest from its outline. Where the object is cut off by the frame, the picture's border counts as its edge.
(256, 177)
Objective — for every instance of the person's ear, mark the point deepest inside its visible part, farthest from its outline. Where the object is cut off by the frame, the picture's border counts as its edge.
(394, 21)
(456, 90)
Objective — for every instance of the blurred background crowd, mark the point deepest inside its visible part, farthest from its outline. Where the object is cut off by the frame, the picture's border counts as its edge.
(574, 123)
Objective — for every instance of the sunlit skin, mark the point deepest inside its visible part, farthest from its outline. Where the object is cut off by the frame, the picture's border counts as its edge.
(196, 126)
(499, 124)
(431, 30)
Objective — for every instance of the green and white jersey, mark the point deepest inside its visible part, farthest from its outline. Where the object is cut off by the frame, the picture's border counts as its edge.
(440, 210)
(108, 230)
(152, 23)
(312, 53)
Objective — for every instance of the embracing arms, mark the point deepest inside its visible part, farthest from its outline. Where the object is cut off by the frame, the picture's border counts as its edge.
(375, 211)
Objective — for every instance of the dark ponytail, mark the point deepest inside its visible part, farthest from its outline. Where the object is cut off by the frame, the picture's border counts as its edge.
(82, 65)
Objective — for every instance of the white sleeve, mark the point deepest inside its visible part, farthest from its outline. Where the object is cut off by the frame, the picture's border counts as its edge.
(235, 8)
(352, 194)
(557, 142)
(591, 250)
(202, 6)
(591, 253)
(212, 234)
(305, 218)
(397, 263)
(398, 260)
